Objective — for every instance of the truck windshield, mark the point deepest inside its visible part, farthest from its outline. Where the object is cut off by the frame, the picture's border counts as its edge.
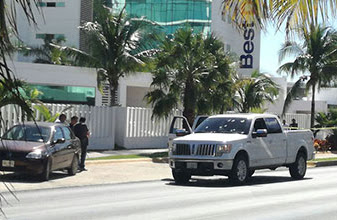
(224, 125)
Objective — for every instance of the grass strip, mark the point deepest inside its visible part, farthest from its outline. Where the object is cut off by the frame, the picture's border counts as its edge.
(324, 159)
(131, 156)
(116, 157)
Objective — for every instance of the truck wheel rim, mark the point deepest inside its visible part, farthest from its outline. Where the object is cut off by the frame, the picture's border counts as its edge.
(241, 170)
(301, 166)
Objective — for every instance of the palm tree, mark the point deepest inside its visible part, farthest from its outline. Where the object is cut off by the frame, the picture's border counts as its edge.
(315, 59)
(294, 13)
(48, 52)
(253, 92)
(8, 83)
(118, 45)
(189, 68)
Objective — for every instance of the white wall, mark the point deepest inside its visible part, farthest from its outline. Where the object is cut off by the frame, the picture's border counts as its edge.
(303, 106)
(52, 20)
(225, 31)
(277, 106)
(326, 94)
(140, 79)
(60, 75)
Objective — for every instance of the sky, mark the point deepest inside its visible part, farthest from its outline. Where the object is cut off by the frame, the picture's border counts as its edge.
(271, 42)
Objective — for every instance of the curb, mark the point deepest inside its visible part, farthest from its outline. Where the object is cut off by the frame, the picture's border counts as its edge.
(322, 163)
(118, 161)
(160, 160)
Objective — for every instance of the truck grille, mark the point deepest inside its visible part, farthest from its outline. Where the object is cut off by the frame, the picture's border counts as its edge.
(206, 150)
(182, 149)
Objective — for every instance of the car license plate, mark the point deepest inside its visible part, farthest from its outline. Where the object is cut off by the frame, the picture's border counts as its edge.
(8, 163)
(191, 165)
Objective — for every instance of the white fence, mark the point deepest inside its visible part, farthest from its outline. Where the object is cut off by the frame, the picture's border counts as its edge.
(136, 129)
(128, 127)
(303, 120)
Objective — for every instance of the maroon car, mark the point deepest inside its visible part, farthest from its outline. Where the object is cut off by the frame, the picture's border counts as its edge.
(39, 149)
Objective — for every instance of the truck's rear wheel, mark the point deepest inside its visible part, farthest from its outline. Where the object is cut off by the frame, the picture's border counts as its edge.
(297, 170)
(240, 171)
(181, 177)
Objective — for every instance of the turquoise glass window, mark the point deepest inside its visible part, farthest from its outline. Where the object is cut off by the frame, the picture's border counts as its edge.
(66, 94)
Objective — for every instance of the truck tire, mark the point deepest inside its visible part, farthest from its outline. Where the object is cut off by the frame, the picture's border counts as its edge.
(297, 170)
(240, 171)
(181, 177)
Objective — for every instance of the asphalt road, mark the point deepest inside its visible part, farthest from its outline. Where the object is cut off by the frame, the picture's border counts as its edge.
(269, 195)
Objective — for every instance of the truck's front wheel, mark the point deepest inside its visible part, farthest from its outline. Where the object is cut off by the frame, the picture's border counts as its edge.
(240, 171)
(297, 170)
(181, 177)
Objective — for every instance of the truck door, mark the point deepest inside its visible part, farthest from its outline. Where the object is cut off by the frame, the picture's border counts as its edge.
(180, 127)
(258, 147)
(198, 121)
(277, 141)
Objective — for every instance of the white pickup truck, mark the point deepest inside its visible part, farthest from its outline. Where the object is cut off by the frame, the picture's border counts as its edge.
(235, 145)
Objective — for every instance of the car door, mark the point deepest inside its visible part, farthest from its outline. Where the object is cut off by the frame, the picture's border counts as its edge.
(258, 147)
(70, 147)
(178, 123)
(277, 141)
(59, 149)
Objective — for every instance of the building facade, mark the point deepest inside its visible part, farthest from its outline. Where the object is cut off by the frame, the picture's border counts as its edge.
(55, 19)
(245, 44)
(170, 14)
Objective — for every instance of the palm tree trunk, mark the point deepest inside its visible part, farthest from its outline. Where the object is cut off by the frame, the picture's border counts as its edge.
(312, 119)
(113, 92)
(189, 101)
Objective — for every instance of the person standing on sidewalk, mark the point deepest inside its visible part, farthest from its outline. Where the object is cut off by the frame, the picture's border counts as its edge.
(73, 122)
(82, 132)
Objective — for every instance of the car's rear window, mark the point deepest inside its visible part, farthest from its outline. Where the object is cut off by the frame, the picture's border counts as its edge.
(28, 133)
(224, 125)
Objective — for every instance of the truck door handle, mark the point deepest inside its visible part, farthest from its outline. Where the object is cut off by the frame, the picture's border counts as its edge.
(248, 142)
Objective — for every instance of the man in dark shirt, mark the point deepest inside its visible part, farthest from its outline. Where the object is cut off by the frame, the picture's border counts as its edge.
(293, 125)
(73, 122)
(82, 132)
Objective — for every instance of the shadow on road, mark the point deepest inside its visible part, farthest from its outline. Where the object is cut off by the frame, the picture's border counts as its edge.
(224, 182)
(9, 177)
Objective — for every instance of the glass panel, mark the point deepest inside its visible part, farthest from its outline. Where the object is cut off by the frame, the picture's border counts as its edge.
(66, 132)
(67, 94)
(58, 134)
(224, 125)
(171, 14)
(60, 4)
(28, 133)
(259, 124)
(273, 126)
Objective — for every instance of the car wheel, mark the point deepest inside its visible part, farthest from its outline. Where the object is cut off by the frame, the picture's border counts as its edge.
(46, 171)
(72, 170)
(240, 171)
(298, 169)
(181, 177)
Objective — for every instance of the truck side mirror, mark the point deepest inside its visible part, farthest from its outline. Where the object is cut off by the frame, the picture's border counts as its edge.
(181, 132)
(260, 133)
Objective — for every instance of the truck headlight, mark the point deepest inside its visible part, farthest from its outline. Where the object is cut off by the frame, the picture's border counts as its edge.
(172, 148)
(35, 155)
(223, 149)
